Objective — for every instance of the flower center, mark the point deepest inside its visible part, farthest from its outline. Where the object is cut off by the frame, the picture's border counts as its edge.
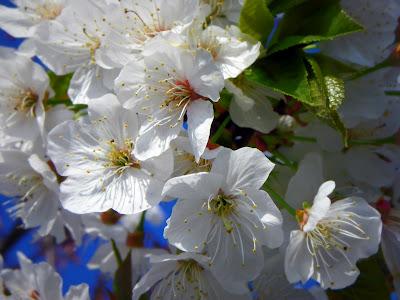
(28, 185)
(49, 10)
(150, 30)
(211, 45)
(121, 158)
(216, 8)
(190, 165)
(190, 269)
(329, 242)
(223, 206)
(302, 217)
(179, 95)
(25, 102)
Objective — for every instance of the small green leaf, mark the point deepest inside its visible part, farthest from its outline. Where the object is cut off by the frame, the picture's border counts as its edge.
(60, 85)
(335, 91)
(123, 280)
(327, 94)
(314, 21)
(256, 19)
(284, 73)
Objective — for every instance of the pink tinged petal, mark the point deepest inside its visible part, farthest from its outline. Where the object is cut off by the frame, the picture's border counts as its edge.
(200, 115)
(321, 205)
(246, 168)
(299, 264)
(197, 186)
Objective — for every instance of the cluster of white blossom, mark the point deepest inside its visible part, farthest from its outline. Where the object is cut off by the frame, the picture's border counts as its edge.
(151, 74)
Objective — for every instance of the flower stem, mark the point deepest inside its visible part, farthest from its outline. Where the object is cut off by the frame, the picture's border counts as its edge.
(279, 199)
(116, 253)
(384, 64)
(220, 130)
(287, 162)
(140, 226)
(379, 142)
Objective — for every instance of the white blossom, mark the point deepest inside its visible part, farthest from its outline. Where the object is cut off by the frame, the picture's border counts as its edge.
(225, 213)
(24, 88)
(250, 106)
(24, 20)
(331, 237)
(97, 157)
(38, 281)
(169, 83)
(185, 161)
(123, 231)
(272, 283)
(223, 12)
(184, 276)
(78, 42)
(231, 50)
(31, 179)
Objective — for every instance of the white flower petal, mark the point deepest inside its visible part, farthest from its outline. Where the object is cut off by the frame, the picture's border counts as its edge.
(245, 168)
(200, 116)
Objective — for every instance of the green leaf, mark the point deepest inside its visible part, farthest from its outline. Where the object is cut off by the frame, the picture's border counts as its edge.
(256, 19)
(284, 73)
(314, 21)
(327, 94)
(123, 280)
(371, 283)
(281, 6)
(60, 85)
